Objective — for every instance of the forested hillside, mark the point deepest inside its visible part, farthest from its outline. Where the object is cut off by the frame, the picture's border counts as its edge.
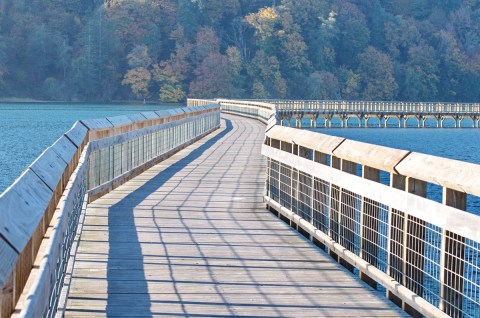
(311, 49)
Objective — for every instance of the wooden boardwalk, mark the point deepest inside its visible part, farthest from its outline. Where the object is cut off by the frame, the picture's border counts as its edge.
(191, 237)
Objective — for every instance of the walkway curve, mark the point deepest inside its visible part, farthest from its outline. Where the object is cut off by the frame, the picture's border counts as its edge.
(191, 237)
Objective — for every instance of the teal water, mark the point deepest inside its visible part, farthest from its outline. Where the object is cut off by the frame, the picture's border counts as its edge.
(453, 143)
(26, 129)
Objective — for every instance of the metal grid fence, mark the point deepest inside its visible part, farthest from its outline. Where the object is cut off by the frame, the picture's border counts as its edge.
(115, 156)
(440, 266)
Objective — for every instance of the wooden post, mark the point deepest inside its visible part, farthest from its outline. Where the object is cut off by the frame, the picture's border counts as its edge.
(453, 260)
(7, 298)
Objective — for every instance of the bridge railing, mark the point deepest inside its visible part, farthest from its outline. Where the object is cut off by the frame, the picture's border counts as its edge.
(256, 110)
(39, 212)
(378, 106)
(192, 102)
(261, 111)
(367, 206)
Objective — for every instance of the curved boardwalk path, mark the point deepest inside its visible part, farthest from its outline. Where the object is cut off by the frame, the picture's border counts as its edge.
(191, 237)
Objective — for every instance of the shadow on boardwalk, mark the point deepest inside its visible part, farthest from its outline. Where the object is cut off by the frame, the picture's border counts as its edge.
(134, 255)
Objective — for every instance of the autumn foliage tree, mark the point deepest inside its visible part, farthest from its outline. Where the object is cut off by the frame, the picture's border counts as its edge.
(138, 77)
(169, 49)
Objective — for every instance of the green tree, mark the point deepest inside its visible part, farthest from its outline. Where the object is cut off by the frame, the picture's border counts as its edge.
(265, 69)
(421, 74)
(376, 72)
(323, 85)
(170, 90)
(353, 35)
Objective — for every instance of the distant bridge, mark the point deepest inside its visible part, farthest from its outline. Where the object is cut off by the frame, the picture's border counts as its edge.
(321, 113)
(166, 213)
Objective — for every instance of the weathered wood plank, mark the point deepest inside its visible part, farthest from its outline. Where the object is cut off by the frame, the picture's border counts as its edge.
(23, 205)
(191, 237)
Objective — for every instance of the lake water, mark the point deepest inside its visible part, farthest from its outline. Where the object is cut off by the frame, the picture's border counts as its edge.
(27, 129)
(454, 143)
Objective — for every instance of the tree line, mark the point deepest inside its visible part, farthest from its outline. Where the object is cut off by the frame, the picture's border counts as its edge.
(91, 50)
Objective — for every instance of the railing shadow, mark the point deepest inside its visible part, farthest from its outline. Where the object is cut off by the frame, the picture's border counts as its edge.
(121, 215)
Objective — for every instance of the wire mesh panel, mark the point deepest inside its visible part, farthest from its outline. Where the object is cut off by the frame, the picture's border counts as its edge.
(321, 205)
(304, 204)
(273, 171)
(285, 182)
(349, 221)
(441, 266)
(120, 154)
(374, 235)
(470, 278)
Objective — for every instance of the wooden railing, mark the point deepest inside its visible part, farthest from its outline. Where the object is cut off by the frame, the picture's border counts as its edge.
(251, 109)
(369, 208)
(377, 106)
(426, 254)
(39, 212)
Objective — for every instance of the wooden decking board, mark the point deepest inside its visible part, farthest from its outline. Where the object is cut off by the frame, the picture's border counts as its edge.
(191, 237)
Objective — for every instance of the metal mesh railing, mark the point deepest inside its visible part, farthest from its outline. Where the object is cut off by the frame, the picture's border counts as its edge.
(112, 157)
(67, 174)
(76, 198)
(439, 265)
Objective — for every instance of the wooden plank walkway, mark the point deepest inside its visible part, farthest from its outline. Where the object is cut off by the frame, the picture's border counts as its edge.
(191, 237)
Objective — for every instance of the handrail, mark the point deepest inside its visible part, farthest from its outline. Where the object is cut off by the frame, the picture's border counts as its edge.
(378, 106)
(39, 211)
(426, 254)
(392, 234)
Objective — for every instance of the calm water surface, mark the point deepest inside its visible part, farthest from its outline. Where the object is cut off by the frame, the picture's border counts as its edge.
(454, 143)
(27, 129)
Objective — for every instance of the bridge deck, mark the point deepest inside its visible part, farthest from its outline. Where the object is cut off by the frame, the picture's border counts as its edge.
(191, 237)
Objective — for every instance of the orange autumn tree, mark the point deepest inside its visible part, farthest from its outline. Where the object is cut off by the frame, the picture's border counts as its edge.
(138, 76)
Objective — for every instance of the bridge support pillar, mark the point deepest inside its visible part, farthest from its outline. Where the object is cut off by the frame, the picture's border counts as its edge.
(328, 121)
(298, 121)
(343, 121)
(385, 121)
(313, 120)
(366, 120)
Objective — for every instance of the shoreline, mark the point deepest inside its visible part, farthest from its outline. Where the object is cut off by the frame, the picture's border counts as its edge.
(18, 100)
